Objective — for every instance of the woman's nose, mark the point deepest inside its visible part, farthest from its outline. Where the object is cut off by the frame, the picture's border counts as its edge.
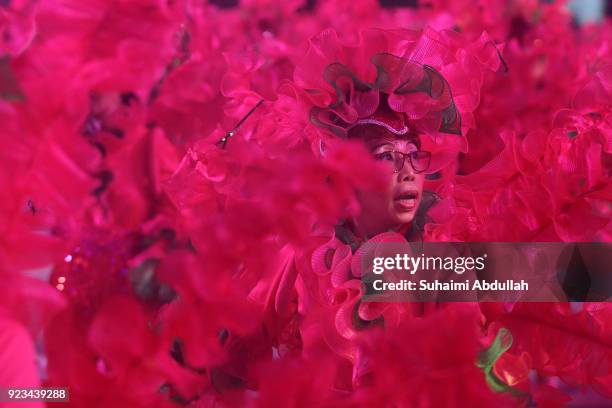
(406, 173)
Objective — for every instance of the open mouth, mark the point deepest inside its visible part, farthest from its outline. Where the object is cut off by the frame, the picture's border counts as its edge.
(406, 201)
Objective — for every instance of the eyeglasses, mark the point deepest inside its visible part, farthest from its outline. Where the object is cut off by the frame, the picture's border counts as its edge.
(419, 159)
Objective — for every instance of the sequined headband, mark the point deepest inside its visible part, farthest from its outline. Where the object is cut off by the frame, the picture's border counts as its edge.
(371, 121)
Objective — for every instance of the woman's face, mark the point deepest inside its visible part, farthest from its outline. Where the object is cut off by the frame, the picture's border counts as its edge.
(394, 207)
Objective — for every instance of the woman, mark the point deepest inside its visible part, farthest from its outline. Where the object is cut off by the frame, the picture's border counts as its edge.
(388, 93)
(389, 139)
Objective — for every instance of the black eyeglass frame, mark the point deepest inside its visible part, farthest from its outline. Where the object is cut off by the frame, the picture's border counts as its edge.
(399, 163)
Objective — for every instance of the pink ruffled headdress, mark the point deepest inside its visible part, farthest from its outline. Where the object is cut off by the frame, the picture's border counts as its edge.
(415, 91)
(431, 79)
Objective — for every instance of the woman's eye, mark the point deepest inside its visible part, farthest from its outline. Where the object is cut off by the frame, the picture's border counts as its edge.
(385, 156)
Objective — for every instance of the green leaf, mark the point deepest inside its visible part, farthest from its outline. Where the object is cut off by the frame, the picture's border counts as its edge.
(501, 344)
(488, 358)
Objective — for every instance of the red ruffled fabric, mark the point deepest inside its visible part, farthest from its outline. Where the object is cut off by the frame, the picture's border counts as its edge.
(161, 269)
